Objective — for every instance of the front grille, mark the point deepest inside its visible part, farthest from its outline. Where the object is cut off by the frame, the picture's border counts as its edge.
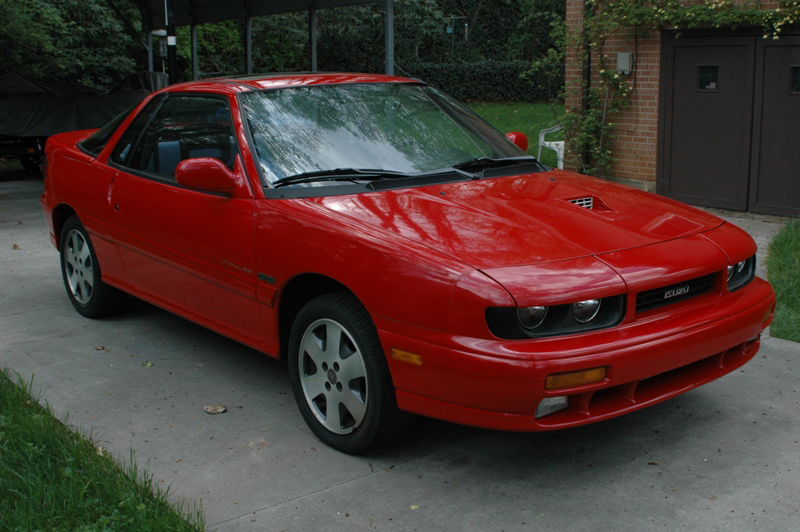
(673, 293)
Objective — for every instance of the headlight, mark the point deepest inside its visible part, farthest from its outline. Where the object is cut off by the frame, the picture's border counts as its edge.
(538, 321)
(741, 273)
(586, 311)
(531, 317)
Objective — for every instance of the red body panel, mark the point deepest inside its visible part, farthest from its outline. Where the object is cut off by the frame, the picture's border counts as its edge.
(426, 262)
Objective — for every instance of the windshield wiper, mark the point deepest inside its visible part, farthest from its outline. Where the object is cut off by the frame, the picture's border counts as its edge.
(338, 174)
(487, 162)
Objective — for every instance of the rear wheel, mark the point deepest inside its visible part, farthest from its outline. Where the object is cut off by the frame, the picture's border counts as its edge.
(87, 292)
(340, 377)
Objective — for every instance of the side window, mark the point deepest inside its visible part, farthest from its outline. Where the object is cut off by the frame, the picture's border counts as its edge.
(94, 145)
(123, 148)
(185, 127)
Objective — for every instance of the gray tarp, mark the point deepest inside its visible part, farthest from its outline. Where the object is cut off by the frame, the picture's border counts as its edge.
(37, 108)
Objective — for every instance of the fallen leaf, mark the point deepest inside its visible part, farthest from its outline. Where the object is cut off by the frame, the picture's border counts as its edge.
(216, 409)
(414, 506)
(16, 247)
(99, 348)
(147, 364)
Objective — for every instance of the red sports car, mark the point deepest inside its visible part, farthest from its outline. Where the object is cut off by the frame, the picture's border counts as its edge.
(401, 254)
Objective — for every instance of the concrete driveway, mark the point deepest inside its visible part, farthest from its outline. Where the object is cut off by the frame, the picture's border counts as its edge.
(723, 457)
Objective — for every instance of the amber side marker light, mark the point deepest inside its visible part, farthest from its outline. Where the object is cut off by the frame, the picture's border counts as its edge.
(768, 315)
(405, 356)
(574, 378)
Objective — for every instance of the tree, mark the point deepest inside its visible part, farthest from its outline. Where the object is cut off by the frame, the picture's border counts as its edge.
(220, 49)
(65, 40)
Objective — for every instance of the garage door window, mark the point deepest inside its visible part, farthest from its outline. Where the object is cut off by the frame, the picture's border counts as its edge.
(708, 77)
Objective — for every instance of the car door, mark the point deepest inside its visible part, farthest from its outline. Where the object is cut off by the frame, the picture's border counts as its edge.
(189, 251)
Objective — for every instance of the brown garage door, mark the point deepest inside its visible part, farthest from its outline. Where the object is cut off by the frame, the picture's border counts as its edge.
(776, 133)
(730, 128)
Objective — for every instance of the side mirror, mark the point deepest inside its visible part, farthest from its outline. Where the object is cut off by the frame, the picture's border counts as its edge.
(205, 174)
(520, 139)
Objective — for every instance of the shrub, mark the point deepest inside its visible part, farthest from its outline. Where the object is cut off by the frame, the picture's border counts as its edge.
(484, 81)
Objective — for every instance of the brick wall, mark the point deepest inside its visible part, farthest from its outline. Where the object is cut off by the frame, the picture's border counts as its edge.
(637, 127)
(637, 132)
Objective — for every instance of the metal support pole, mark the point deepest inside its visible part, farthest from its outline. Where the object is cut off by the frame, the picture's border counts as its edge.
(149, 51)
(390, 37)
(312, 37)
(195, 62)
(248, 43)
(172, 41)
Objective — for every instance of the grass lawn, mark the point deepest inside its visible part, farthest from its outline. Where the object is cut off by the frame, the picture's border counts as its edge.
(783, 267)
(528, 118)
(52, 478)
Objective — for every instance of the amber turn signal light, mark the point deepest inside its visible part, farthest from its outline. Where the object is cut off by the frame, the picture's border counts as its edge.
(405, 356)
(574, 378)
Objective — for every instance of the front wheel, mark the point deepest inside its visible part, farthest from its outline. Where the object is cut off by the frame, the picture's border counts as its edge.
(87, 292)
(340, 378)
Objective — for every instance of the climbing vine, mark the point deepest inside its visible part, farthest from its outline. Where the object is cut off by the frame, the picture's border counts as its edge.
(591, 130)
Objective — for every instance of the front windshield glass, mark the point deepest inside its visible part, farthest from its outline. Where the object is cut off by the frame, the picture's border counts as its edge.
(404, 128)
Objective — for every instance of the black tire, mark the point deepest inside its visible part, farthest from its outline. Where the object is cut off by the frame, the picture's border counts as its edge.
(80, 270)
(346, 395)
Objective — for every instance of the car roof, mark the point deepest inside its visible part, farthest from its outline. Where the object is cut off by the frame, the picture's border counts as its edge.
(238, 84)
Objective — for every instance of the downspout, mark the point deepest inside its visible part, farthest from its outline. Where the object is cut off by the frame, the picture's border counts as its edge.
(586, 79)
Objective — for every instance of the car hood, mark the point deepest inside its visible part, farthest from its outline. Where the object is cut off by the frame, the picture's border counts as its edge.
(525, 219)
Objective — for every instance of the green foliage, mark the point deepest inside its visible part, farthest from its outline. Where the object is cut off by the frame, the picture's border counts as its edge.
(352, 38)
(590, 132)
(536, 38)
(418, 30)
(491, 28)
(220, 49)
(84, 40)
(483, 81)
(54, 479)
(672, 14)
(783, 270)
(280, 43)
(65, 40)
(548, 68)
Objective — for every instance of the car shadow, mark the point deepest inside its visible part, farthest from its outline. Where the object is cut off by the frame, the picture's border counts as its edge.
(444, 447)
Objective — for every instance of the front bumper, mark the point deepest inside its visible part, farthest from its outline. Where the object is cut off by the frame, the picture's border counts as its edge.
(498, 384)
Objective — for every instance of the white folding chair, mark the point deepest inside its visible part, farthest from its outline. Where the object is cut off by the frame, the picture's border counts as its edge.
(555, 145)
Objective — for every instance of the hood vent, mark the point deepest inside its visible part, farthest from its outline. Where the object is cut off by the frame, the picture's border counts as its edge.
(592, 203)
(586, 203)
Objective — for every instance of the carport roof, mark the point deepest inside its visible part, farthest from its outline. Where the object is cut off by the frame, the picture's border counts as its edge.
(188, 12)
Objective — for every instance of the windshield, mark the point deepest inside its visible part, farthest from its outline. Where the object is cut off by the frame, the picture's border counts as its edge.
(405, 128)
